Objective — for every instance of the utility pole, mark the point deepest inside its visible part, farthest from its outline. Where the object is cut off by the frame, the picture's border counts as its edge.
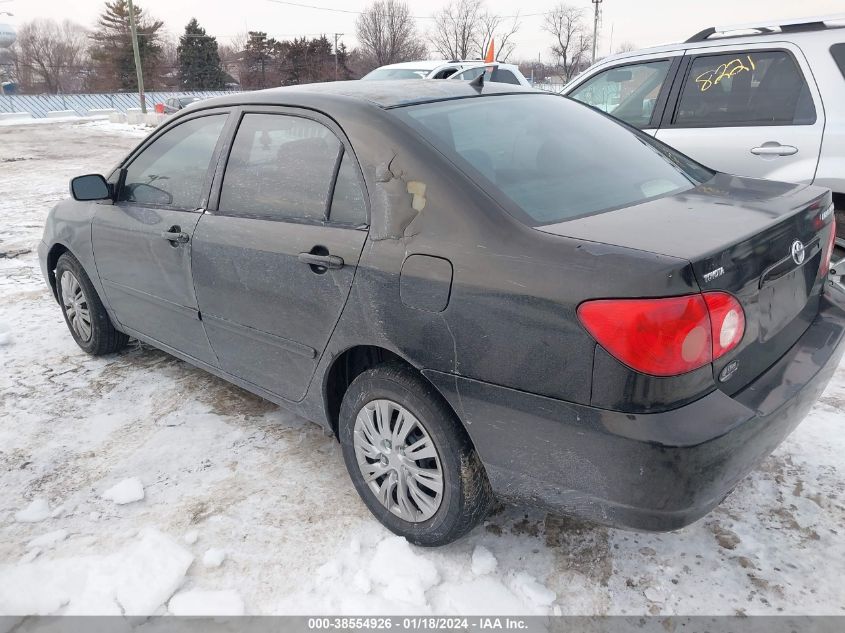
(336, 35)
(595, 28)
(138, 70)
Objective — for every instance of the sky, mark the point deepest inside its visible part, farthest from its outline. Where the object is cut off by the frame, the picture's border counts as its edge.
(640, 22)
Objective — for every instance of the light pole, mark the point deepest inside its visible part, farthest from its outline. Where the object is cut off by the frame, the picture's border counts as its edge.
(336, 35)
(595, 28)
(138, 70)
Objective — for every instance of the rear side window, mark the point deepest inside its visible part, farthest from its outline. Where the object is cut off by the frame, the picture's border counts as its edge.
(280, 167)
(493, 74)
(745, 88)
(838, 52)
(504, 76)
(550, 159)
(629, 92)
(348, 205)
(171, 171)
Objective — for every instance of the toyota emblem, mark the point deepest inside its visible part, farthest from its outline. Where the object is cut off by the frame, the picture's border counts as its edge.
(797, 251)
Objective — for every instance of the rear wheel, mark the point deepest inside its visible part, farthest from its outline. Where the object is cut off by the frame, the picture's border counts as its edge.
(84, 313)
(410, 459)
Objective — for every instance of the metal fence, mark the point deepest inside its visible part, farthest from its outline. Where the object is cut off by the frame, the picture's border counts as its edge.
(39, 105)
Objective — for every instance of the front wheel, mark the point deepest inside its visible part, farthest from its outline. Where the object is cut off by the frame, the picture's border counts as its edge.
(84, 313)
(409, 457)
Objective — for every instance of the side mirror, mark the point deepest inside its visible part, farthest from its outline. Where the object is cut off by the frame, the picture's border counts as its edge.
(90, 187)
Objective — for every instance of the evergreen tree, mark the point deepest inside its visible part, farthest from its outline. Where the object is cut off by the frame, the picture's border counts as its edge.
(111, 49)
(258, 67)
(199, 60)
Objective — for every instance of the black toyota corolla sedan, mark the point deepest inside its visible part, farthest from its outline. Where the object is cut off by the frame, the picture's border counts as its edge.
(481, 290)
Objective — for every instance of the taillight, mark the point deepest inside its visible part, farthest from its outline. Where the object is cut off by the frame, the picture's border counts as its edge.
(666, 336)
(727, 322)
(827, 252)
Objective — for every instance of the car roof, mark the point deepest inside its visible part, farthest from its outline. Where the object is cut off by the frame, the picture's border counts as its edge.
(734, 35)
(425, 64)
(384, 94)
(477, 64)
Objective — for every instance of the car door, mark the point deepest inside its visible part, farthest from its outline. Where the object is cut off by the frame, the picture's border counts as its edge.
(274, 261)
(752, 110)
(632, 91)
(142, 242)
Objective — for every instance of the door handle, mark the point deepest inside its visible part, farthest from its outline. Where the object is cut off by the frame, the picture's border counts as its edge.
(321, 261)
(774, 149)
(175, 236)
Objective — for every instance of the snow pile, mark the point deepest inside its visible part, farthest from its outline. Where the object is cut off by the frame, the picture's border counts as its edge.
(483, 561)
(126, 491)
(207, 603)
(35, 512)
(136, 580)
(191, 537)
(387, 575)
(213, 557)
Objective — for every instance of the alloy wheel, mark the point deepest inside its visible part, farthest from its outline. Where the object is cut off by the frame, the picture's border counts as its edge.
(398, 460)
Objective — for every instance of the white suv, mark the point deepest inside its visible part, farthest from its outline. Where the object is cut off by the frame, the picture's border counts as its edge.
(764, 100)
(423, 69)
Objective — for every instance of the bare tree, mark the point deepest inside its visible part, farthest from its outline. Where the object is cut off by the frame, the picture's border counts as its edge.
(572, 41)
(232, 54)
(51, 54)
(493, 27)
(388, 34)
(626, 47)
(457, 28)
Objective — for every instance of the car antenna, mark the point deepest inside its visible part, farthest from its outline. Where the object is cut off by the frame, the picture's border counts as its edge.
(478, 82)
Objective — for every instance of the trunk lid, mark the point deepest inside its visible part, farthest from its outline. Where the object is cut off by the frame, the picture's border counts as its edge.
(739, 235)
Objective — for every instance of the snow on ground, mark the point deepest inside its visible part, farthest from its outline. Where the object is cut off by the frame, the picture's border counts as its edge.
(230, 479)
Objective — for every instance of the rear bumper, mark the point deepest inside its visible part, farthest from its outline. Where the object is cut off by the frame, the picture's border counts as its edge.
(645, 471)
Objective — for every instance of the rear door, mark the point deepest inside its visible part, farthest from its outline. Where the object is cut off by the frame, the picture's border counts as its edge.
(751, 110)
(274, 261)
(142, 242)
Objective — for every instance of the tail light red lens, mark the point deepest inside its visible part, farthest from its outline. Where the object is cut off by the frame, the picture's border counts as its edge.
(666, 336)
(827, 252)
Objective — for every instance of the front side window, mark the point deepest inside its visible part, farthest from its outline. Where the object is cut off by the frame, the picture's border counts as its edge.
(629, 92)
(549, 158)
(745, 88)
(280, 167)
(172, 170)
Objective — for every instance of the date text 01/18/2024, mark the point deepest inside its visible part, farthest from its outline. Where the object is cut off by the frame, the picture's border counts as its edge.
(417, 623)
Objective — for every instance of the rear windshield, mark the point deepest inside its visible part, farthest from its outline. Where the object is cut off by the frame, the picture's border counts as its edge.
(382, 74)
(550, 159)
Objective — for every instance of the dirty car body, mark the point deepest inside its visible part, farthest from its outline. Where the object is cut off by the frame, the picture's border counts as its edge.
(456, 269)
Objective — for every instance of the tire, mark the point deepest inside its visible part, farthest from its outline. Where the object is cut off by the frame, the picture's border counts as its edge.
(100, 336)
(465, 496)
